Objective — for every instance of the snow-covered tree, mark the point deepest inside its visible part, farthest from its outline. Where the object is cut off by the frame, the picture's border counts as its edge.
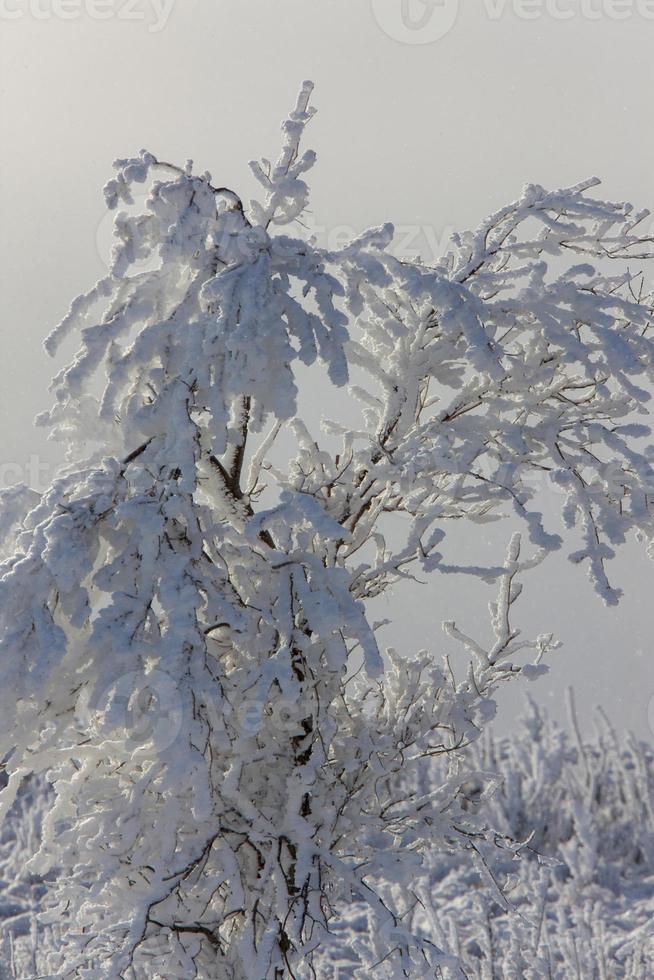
(187, 653)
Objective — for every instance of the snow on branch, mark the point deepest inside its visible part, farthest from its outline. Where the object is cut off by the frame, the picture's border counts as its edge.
(186, 648)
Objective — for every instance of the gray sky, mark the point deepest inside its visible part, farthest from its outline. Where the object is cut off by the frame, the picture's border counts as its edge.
(431, 121)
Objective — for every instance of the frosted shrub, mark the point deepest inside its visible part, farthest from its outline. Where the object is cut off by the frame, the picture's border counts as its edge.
(186, 648)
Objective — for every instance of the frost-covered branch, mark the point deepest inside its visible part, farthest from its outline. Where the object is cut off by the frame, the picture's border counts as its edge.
(185, 642)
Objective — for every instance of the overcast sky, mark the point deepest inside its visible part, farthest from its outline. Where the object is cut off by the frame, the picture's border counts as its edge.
(431, 115)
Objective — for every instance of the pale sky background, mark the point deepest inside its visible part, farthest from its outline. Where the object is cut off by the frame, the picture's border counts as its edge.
(431, 132)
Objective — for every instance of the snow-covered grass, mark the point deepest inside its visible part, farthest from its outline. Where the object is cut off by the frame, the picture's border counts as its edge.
(580, 899)
(24, 939)
(577, 901)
